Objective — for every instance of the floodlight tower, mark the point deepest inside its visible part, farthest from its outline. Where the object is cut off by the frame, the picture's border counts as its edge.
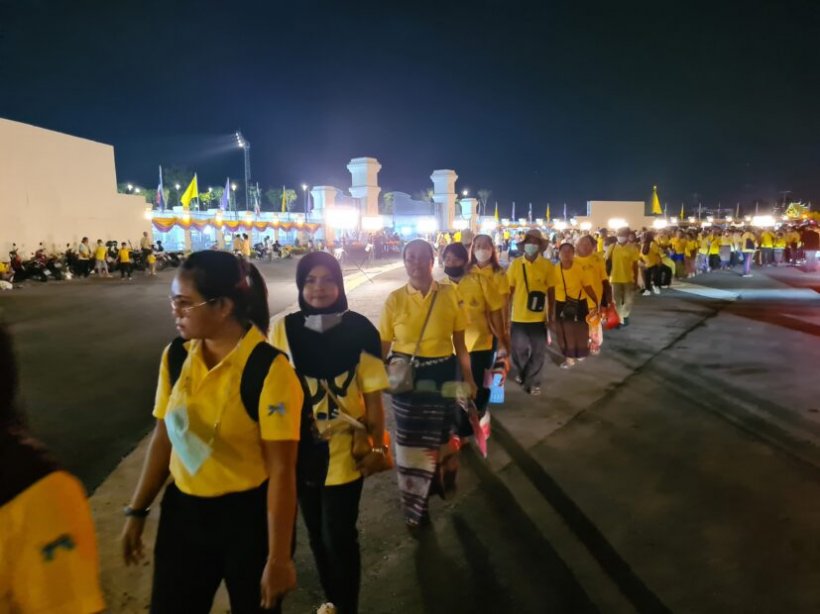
(246, 147)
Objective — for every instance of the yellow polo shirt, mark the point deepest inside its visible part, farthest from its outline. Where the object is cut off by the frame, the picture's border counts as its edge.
(692, 248)
(766, 239)
(595, 267)
(479, 296)
(403, 316)
(623, 259)
(748, 242)
(499, 278)
(572, 283)
(539, 278)
(371, 376)
(99, 252)
(653, 255)
(215, 411)
(48, 549)
(125, 255)
(714, 246)
(678, 245)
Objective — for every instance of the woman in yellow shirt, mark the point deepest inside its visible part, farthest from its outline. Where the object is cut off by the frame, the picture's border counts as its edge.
(424, 415)
(482, 305)
(228, 409)
(651, 257)
(593, 264)
(337, 356)
(48, 550)
(568, 298)
(726, 247)
(484, 262)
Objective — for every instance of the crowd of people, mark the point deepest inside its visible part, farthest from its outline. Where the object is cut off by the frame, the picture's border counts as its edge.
(254, 422)
(84, 259)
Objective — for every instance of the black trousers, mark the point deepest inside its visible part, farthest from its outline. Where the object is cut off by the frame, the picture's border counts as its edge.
(529, 349)
(203, 540)
(652, 277)
(330, 514)
(125, 269)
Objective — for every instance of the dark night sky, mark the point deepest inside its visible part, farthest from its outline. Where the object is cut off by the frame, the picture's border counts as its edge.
(538, 101)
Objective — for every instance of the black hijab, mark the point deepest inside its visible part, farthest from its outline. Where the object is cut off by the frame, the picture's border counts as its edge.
(336, 351)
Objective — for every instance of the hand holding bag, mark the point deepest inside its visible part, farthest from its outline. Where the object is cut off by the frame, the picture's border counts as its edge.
(362, 444)
(401, 370)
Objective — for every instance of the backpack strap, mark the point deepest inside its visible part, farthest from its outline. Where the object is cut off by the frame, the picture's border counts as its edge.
(176, 358)
(253, 377)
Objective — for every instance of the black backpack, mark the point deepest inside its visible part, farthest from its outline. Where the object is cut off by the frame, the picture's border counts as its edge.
(314, 453)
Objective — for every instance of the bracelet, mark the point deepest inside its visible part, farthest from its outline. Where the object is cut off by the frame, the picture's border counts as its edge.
(379, 450)
(130, 512)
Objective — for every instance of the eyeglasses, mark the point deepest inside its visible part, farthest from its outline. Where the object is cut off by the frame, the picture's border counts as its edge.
(184, 307)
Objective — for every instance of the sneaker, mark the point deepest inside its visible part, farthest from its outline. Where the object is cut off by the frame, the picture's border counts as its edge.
(625, 321)
(519, 380)
(534, 390)
(656, 290)
(326, 608)
(568, 363)
(646, 293)
(747, 275)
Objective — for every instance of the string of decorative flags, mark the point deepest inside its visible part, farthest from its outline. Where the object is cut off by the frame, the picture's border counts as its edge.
(165, 224)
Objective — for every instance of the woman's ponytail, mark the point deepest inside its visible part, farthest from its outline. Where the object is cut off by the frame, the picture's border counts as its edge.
(257, 310)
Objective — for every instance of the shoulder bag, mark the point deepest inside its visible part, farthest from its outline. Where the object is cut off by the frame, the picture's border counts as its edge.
(572, 309)
(536, 300)
(362, 444)
(401, 370)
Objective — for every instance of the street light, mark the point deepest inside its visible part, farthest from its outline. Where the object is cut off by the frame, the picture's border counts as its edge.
(243, 144)
(465, 193)
(137, 190)
(130, 187)
(304, 191)
(177, 187)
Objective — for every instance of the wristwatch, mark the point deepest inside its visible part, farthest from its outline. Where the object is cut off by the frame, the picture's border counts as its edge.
(379, 450)
(132, 513)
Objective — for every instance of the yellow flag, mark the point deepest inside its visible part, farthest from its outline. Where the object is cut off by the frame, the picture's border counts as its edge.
(191, 192)
(496, 212)
(549, 217)
(681, 211)
(284, 201)
(656, 203)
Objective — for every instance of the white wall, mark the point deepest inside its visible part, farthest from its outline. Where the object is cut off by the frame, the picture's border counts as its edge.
(58, 188)
(601, 211)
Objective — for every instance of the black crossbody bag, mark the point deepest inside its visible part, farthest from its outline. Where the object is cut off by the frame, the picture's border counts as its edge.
(536, 300)
(572, 309)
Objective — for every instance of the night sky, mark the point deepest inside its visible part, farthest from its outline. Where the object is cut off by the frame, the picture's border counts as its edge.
(538, 101)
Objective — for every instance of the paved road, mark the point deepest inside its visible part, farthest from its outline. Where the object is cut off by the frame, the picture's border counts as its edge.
(677, 471)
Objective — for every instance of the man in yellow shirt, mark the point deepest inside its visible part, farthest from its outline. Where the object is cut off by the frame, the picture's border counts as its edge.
(530, 278)
(124, 258)
(624, 276)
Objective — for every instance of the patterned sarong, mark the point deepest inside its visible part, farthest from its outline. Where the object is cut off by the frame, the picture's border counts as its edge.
(423, 423)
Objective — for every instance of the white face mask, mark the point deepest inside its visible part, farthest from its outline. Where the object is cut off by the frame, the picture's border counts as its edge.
(531, 249)
(483, 255)
(323, 322)
(621, 240)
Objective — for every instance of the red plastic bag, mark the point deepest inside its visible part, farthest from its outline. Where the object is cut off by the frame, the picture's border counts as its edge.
(610, 318)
